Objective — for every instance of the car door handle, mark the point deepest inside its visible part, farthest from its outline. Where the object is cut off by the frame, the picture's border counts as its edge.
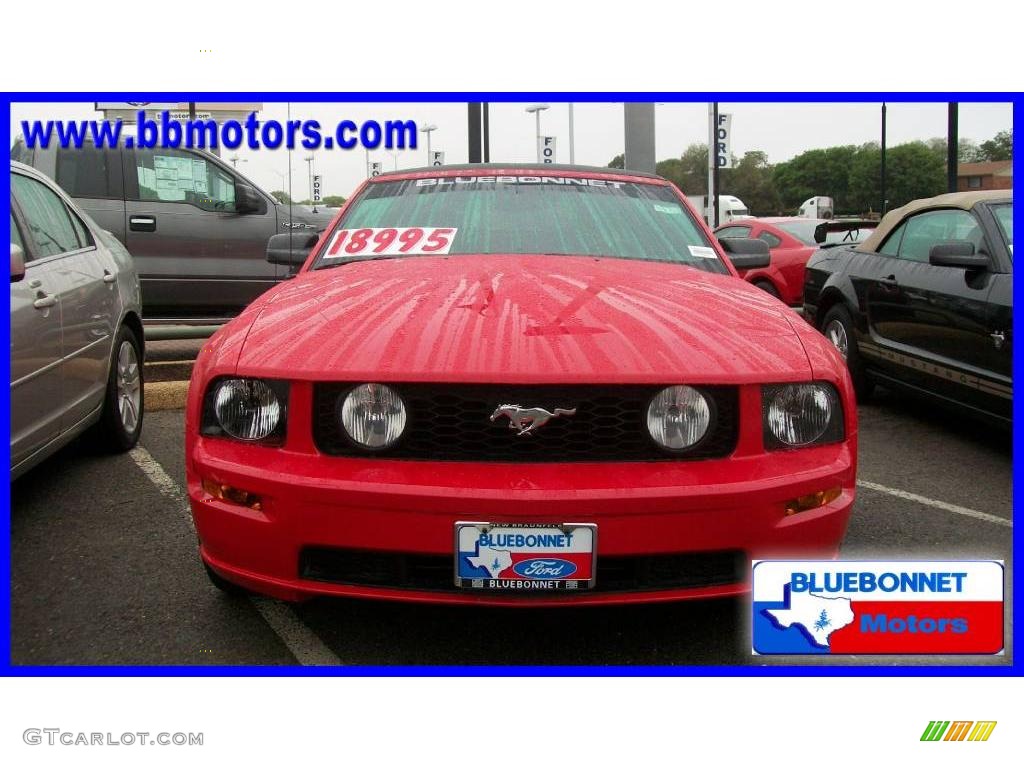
(142, 223)
(108, 278)
(45, 301)
(889, 282)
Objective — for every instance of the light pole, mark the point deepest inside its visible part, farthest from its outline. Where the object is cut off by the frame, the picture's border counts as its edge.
(884, 200)
(284, 186)
(536, 109)
(572, 139)
(428, 129)
(235, 160)
(394, 156)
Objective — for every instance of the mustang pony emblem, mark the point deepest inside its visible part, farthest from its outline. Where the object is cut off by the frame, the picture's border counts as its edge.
(526, 420)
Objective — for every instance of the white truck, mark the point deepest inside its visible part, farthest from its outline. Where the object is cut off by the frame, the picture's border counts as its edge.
(819, 207)
(730, 208)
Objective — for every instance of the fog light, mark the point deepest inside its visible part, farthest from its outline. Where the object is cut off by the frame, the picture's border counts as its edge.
(373, 415)
(812, 501)
(232, 495)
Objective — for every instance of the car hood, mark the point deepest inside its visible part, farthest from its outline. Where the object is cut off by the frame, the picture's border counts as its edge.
(521, 319)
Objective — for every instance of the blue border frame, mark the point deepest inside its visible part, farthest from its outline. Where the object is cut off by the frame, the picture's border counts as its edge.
(837, 669)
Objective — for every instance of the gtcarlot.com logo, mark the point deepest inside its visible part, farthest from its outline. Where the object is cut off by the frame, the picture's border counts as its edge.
(958, 730)
(59, 737)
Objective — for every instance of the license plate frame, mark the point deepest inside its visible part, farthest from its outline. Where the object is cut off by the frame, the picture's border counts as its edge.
(542, 567)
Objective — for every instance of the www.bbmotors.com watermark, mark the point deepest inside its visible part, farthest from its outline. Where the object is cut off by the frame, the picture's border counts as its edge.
(57, 737)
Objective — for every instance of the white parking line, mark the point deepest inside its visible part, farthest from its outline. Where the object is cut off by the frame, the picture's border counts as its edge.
(966, 511)
(163, 482)
(308, 649)
(301, 641)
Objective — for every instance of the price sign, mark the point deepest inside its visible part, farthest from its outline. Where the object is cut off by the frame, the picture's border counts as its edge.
(390, 241)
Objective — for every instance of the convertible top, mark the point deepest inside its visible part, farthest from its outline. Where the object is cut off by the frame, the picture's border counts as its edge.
(963, 200)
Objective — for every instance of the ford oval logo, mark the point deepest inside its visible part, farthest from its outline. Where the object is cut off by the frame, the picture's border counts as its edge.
(545, 568)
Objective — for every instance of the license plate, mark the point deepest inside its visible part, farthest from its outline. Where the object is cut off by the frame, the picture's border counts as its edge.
(525, 557)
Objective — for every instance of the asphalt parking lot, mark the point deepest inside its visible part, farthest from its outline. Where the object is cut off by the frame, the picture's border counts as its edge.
(105, 569)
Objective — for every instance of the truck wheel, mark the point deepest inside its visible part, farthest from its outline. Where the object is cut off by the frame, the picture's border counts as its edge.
(767, 287)
(837, 327)
(120, 423)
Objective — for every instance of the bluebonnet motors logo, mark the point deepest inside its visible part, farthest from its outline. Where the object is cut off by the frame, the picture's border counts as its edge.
(857, 607)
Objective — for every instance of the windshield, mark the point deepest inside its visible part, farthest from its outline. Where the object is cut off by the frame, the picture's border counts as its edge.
(1004, 215)
(552, 215)
(804, 232)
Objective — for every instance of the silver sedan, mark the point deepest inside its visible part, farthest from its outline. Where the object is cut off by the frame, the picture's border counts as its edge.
(76, 327)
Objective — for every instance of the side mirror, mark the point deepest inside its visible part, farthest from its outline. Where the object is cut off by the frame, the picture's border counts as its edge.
(247, 199)
(746, 252)
(17, 263)
(290, 248)
(957, 253)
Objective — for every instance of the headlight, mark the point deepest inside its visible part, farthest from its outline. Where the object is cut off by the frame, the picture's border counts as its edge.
(679, 417)
(373, 415)
(801, 414)
(246, 409)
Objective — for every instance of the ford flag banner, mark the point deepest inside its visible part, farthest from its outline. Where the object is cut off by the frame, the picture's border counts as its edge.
(860, 607)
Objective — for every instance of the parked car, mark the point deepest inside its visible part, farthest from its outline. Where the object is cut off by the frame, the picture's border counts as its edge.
(196, 227)
(76, 329)
(516, 384)
(792, 240)
(925, 303)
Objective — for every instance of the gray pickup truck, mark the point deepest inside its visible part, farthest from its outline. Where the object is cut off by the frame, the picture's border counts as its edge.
(196, 228)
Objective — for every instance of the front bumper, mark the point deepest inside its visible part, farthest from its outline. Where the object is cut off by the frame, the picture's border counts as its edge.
(392, 508)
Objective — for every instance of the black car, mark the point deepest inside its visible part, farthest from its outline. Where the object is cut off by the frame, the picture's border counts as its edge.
(926, 302)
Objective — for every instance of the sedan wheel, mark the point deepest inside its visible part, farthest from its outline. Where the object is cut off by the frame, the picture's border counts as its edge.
(129, 386)
(125, 401)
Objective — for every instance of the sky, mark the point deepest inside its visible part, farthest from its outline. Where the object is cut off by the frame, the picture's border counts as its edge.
(783, 130)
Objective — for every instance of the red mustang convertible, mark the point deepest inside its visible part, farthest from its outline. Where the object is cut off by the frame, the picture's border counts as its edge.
(516, 385)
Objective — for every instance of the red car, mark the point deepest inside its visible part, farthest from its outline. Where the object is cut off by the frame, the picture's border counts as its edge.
(792, 240)
(516, 385)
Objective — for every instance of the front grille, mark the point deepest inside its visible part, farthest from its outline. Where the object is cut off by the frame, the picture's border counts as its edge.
(435, 573)
(451, 422)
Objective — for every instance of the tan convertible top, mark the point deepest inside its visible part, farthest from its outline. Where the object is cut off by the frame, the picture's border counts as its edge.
(963, 200)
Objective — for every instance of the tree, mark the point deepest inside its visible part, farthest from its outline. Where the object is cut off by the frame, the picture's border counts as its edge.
(815, 172)
(999, 147)
(281, 197)
(688, 172)
(966, 149)
(750, 179)
(333, 201)
(913, 171)
(864, 185)
(692, 173)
